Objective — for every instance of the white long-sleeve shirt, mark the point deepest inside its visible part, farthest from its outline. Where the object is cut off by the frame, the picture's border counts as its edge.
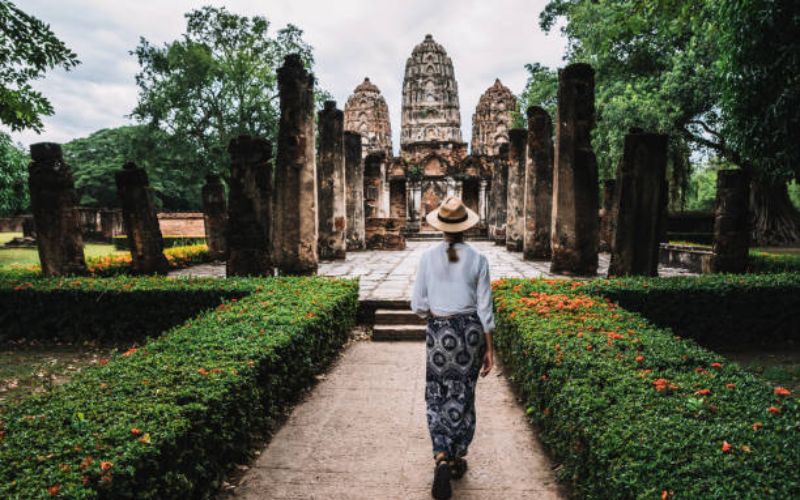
(445, 288)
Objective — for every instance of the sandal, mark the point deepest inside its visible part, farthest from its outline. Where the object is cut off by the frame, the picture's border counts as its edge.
(441, 489)
(458, 468)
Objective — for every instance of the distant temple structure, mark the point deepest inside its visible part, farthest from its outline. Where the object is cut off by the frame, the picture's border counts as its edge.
(434, 161)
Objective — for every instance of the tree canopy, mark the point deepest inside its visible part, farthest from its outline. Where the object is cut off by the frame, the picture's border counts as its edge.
(13, 177)
(217, 81)
(28, 49)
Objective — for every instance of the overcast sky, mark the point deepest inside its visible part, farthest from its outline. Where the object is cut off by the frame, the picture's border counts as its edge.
(486, 39)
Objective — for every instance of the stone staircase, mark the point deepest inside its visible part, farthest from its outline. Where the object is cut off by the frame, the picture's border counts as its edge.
(397, 324)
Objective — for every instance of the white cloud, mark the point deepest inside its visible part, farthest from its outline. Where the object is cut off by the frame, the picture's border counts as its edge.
(351, 39)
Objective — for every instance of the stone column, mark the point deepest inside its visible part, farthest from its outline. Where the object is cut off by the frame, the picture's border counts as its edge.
(55, 214)
(731, 223)
(414, 192)
(515, 218)
(354, 178)
(608, 215)
(482, 201)
(332, 208)
(498, 195)
(373, 185)
(575, 184)
(215, 216)
(640, 205)
(295, 233)
(249, 207)
(141, 220)
(538, 185)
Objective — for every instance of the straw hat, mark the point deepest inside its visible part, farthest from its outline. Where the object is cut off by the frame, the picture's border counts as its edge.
(452, 216)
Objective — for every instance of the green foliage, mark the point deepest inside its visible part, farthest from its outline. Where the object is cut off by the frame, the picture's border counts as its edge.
(13, 177)
(121, 242)
(771, 262)
(168, 419)
(217, 81)
(713, 309)
(760, 66)
(540, 90)
(28, 48)
(631, 411)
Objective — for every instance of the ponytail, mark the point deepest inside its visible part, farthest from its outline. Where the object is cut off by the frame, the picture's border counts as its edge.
(452, 239)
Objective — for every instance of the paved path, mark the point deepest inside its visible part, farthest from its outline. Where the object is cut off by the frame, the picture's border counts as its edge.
(361, 434)
(389, 275)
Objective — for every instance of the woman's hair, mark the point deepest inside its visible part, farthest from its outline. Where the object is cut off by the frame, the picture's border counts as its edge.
(452, 239)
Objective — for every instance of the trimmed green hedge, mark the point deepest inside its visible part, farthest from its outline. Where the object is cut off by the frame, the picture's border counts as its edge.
(166, 420)
(714, 309)
(631, 411)
(768, 262)
(107, 310)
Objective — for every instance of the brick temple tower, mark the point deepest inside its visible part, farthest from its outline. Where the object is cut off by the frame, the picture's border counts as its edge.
(366, 113)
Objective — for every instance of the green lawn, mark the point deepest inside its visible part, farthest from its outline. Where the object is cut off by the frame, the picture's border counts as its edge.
(10, 257)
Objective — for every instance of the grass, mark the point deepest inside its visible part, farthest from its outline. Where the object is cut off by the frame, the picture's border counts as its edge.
(781, 366)
(13, 257)
(27, 368)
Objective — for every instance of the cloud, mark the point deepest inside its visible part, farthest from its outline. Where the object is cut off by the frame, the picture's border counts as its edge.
(352, 39)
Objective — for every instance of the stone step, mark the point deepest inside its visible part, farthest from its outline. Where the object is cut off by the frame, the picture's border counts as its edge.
(398, 332)
(397, 317)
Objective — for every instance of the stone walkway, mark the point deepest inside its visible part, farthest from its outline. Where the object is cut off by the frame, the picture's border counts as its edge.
(362, 434)
(389, 275)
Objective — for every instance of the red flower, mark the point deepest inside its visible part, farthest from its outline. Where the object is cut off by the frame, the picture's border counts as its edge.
(136, 432)
(716, 365)
(53, 490)
(726, 447)
(703, 392)
(757, 426)
(774, 410)
(202, 371)
(129, 352)
(104, 466)
(730, 386)
(639, 359)
(102, 361)
(782, 391)
(664, 495)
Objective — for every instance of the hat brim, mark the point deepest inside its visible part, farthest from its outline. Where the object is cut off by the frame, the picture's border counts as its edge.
(452, 227)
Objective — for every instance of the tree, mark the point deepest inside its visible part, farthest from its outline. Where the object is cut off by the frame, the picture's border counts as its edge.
(660, 66)
(13, 177)
(28, 48)
(94, 159)
(218, 81)
(540, 90)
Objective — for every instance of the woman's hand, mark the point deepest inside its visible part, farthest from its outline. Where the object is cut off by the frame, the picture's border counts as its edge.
(488, 362)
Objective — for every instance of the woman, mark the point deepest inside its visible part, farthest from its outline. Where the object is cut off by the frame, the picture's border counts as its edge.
(453, 291)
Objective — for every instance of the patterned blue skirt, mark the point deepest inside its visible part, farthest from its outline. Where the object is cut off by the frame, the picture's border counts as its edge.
(455, 349)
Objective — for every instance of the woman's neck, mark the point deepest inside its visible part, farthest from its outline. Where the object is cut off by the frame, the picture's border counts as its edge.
(454, 237)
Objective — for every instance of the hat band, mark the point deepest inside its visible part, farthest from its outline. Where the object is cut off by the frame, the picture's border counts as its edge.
(452, 221)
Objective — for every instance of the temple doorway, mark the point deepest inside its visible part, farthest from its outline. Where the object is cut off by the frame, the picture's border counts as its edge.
(433, 193)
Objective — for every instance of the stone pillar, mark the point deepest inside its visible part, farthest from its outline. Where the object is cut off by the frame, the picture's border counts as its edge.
(498, 197)
(55, 214)
(482, 202)
(608, 215)
(332, 208)
(640, 205)
(249, 207)
(515, 217)
(731, 223)
(354, 178)
(538, 185)
(413, 204)
(575, 184)
(141, 220)
(295, 233)
(373, 185)
(215, 216)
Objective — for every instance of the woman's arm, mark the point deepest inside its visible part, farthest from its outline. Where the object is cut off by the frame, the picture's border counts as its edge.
(486, 313)
(488, 357)
(419, 297)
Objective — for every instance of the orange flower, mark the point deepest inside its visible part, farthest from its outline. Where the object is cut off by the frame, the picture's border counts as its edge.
(703, 392)
(136, 431)
(104, 466)
(86, 462)
(774, 410)
(726, 447)
(782, 391)
(664, 495)
(639, 359)
(716, 365)
(102, 361)
(129, 352)
(730, 386)
(700, 370)
(53, 490)
(660, 384)
(203, 371)
(757, 426)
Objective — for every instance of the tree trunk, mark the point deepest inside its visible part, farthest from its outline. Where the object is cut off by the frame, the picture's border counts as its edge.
(776, 221)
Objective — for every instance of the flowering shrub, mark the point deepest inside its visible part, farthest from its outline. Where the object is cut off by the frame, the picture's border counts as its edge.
(714, 310)
(631, 411)
(113, 265)
(165, 420)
